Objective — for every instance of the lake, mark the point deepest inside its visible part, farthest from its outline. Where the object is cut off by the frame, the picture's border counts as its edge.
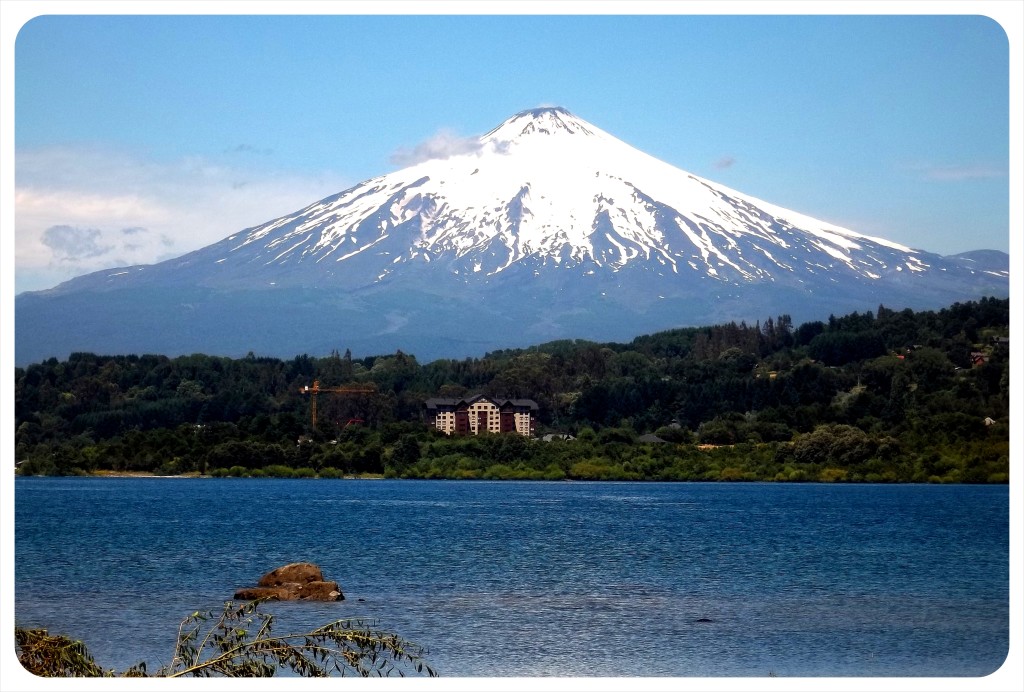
(530, 578)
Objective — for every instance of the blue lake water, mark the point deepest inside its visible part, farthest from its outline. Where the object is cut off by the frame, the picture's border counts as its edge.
(525, 579)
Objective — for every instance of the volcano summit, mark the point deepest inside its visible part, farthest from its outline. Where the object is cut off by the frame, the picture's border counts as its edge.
(545, 227)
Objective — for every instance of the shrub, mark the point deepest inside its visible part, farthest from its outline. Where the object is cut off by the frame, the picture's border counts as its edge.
(553, 473)
(731, 473)
(831, 475)
(279, 471)
(590, 470)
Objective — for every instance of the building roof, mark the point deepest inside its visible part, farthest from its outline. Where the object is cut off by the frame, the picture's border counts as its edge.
(435, 402)
(650, 438)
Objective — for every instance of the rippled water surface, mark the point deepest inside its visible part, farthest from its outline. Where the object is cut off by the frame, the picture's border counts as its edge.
(523, 579)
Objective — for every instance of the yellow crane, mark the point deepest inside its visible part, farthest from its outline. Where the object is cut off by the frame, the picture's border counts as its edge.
(344, 389)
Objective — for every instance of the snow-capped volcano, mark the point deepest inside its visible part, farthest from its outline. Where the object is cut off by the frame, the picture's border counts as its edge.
(547, 188)
(544, 227)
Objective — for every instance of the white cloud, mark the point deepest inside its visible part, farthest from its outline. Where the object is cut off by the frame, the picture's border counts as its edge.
(955, 172)
(963, 172)
(442, 145)
(71, 243)
(81, 210)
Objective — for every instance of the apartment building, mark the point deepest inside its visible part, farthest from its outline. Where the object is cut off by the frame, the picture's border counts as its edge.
(479, 414)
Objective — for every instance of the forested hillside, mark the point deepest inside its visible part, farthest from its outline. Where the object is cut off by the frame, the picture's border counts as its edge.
(891, 396)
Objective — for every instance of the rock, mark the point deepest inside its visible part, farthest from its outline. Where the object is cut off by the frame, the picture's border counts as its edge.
(320, 591)
(295, 573)
(254, 593)
(297, 581)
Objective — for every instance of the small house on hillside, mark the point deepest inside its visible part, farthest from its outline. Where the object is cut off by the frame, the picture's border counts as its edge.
(551, 437)
(651, 438)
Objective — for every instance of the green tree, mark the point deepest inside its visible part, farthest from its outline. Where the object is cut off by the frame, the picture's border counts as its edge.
(404, 453)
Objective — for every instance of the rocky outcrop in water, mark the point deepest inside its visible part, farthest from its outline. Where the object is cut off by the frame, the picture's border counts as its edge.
(297, 581)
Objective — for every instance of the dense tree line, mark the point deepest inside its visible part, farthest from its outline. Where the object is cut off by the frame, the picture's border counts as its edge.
(876, 396)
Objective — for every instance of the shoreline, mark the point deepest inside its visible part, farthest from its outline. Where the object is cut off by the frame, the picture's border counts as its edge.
(196, 474)
(380, 477)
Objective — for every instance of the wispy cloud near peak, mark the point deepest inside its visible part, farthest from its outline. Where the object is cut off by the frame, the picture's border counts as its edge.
(442, 145)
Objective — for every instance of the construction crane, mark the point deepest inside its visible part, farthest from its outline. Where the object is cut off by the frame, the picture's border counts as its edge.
(317, 389)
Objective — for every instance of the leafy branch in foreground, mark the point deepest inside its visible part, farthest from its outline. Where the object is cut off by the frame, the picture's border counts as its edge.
(239, 643)
(54, 655)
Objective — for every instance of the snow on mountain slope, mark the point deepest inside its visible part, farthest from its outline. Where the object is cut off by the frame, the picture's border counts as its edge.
(549, 189)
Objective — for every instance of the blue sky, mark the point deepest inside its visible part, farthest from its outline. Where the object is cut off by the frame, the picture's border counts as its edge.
(140, 138)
